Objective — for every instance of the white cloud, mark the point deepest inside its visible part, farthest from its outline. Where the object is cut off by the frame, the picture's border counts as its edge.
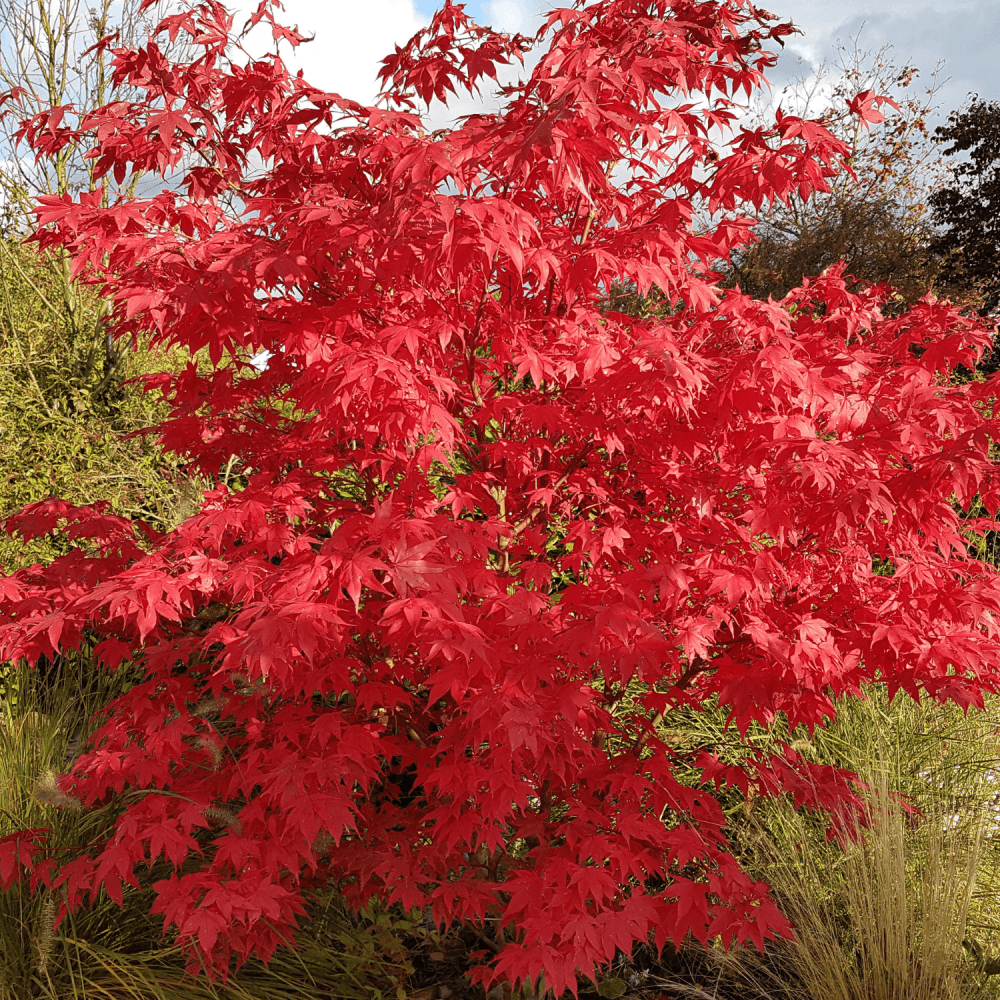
(351, 39)
(507, 16)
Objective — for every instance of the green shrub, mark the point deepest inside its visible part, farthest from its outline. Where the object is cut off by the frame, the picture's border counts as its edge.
(67, 406)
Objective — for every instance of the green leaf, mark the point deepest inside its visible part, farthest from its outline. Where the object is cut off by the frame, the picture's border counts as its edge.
(612, 988)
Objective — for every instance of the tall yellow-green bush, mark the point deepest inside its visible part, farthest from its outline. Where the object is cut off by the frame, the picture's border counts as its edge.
(69, 411)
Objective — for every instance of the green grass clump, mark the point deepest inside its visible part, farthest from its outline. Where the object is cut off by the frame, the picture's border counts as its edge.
(908, 910)
(116, 952)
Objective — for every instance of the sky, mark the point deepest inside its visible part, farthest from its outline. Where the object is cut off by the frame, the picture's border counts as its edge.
(965, 34)
(352, 35)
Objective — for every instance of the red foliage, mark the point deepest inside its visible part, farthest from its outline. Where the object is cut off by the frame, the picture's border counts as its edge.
(473, 505)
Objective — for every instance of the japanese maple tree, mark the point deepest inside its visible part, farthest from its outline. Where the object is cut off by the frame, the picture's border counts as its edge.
(474, 510)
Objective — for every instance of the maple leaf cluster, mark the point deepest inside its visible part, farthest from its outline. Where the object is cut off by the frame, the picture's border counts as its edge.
(476, 507)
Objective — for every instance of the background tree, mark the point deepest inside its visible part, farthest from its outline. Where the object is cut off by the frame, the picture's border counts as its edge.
(50, 63)
(967, 206)
(875, 216)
